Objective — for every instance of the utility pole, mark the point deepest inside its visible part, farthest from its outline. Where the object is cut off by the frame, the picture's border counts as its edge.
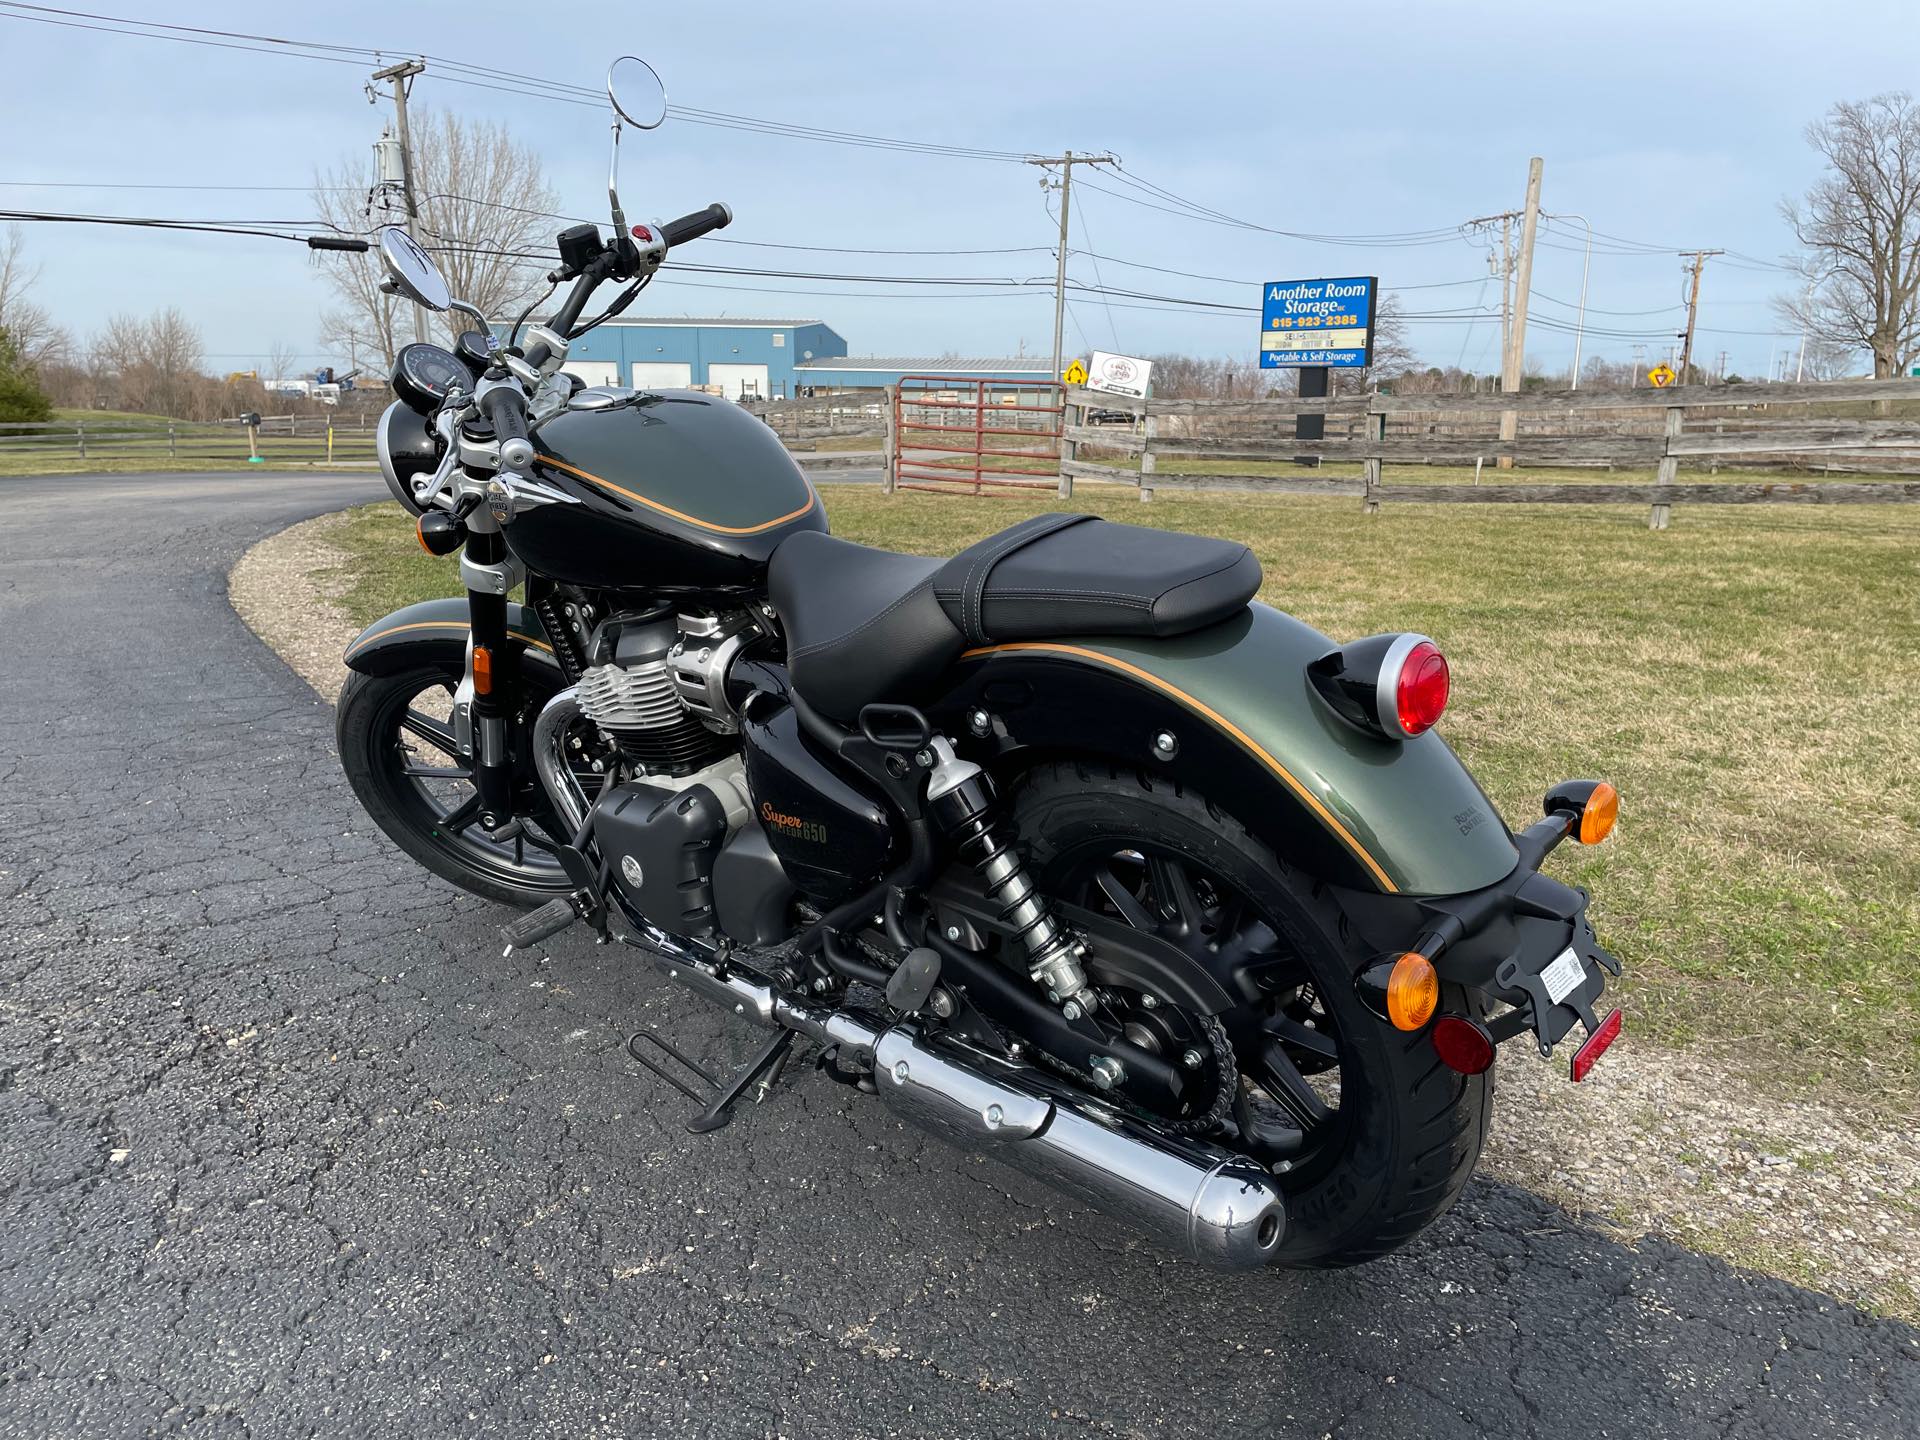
(1639, 364)
(1066, 163)
(1522, 287)
(1699, 258)
(399, 75)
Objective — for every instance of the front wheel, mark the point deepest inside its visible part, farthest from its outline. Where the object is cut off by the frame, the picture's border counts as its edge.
(413, 777)
(1369, 1136)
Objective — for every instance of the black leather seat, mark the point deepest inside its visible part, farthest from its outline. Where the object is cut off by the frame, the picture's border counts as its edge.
(867, 625)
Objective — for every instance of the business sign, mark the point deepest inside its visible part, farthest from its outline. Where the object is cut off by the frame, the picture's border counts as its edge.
(1119, 375)
(1317, 322)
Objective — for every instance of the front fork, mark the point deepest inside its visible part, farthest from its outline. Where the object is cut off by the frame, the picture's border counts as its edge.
(489, 572)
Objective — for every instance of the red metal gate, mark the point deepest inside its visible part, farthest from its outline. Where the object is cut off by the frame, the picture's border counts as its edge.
(969, 436)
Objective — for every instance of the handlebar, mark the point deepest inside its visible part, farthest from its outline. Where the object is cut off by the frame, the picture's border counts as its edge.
(691, 227)
(505, 408)
(337, 242)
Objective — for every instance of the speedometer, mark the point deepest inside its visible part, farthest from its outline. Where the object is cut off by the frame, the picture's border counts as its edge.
(424, 375)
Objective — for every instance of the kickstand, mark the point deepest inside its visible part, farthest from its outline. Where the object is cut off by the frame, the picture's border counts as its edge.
(719, 1104)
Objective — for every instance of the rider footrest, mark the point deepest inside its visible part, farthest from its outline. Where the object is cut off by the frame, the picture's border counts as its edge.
(717, 1101)
(536, 925)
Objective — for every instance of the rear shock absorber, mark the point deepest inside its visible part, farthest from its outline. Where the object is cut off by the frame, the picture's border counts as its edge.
(961, 797)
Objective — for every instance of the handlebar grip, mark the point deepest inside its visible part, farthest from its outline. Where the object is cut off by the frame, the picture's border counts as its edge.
(337, 242)
(691, 227)
(506, 410)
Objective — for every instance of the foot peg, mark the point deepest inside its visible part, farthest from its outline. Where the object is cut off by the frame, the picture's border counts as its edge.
(535, 926)
(717, 1102)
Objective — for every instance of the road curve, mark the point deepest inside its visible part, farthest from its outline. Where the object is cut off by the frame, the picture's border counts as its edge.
(290, 1150)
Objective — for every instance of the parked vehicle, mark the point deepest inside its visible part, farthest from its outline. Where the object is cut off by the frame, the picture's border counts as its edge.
(1064, 847)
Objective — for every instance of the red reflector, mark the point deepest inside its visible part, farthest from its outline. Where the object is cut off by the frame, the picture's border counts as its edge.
(1462, 1044)
(1420, 695)
(1596, 1045)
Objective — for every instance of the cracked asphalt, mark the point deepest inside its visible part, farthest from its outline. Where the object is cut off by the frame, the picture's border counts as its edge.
(290, 1150)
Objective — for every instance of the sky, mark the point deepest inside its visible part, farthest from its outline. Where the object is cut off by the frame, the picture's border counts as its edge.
(1669, 127)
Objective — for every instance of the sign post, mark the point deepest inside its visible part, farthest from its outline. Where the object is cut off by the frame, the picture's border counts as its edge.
(1317, 327)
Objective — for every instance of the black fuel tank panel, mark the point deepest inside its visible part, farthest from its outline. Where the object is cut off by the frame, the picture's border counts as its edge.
(680, 490)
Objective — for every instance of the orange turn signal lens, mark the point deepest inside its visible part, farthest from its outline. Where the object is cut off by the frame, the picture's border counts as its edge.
(1598, 814)
(482, 670)
(420, 534)
(1413, 991)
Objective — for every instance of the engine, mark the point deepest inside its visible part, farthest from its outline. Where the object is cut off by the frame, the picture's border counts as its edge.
(655, 683)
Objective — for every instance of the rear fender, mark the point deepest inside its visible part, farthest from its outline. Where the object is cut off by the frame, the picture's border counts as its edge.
(1250, 733)
(420, 634)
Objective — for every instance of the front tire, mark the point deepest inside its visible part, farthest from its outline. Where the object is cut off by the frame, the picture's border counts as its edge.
(1403, 1139)
(402, 761)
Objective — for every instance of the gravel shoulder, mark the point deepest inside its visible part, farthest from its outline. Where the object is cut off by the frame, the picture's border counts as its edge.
(1657, 1143)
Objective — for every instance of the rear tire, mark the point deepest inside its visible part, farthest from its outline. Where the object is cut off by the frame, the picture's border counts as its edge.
(1409, 1130)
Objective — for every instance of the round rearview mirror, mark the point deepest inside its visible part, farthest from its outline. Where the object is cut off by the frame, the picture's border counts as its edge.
(636, 92)
(412, 270)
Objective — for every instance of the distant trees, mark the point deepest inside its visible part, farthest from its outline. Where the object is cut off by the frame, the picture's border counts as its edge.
(484, 201)
(1860, 227)
(36, 339)
(21, 398)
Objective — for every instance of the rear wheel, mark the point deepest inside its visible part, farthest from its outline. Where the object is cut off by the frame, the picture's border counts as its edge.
(1367, 1133)
(414, 779)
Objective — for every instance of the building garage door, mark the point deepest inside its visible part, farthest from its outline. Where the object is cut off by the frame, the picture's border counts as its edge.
(594, 372)
(737, 380)
(662, 375)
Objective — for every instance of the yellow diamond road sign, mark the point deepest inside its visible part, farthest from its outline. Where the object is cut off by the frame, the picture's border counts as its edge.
(1076, 374)
(1661, 377)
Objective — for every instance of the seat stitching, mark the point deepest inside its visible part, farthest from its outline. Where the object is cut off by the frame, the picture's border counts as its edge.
(862, 629)
(969, 602)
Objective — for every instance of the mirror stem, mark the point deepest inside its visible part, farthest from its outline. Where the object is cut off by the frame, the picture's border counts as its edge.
(613, 186)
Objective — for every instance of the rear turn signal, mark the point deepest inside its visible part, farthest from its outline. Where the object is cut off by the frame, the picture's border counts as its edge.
(1462, 1044)
(1596, 821)
(1589, 806)
(1413, 991)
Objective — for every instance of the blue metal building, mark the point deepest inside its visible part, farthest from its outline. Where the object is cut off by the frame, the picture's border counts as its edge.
(769, 359)
(741, 357)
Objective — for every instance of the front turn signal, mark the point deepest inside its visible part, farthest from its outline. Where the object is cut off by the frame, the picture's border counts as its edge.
(1413, 991)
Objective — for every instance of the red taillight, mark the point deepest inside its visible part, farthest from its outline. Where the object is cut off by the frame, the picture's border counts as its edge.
(1420, 692)
(1596, 1045)
(1462, 1044)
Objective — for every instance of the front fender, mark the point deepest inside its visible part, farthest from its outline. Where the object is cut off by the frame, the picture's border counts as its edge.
(1252, 735)
(408, 637)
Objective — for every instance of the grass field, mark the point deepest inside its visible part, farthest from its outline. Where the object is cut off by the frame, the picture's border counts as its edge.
(1748, 679)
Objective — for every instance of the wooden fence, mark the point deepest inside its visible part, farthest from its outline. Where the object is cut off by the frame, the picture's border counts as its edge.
(278, 440)
(1698, 427)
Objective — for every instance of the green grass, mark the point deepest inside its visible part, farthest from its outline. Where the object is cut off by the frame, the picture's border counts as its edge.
(1748, 679)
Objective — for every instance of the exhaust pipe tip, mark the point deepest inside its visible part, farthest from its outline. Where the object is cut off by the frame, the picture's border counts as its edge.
(1238, 1219)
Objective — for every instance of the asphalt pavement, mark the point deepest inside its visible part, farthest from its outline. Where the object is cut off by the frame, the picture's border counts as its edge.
(287, 1149)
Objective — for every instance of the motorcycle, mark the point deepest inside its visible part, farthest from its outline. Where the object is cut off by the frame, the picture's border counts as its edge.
(1065, 848)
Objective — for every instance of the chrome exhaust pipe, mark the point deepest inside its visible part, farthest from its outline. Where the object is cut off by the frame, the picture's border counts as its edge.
(1207, 1203)
(1197, 1199)
(550, 758)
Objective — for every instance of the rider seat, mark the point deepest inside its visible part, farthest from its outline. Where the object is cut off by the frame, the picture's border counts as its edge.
(866, 625)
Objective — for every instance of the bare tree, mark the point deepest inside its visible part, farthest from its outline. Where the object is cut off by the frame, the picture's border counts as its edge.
(482, 198)
(1860, 226)
(38, 340)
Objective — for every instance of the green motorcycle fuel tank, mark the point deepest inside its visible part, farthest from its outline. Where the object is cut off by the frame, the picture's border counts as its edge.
(678, 491)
